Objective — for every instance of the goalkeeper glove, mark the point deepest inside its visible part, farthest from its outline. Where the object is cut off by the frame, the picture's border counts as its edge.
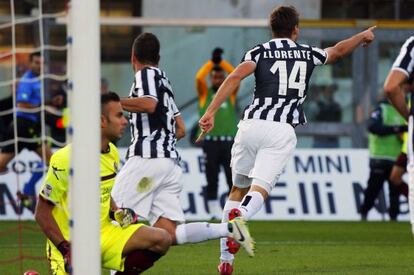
(64, 249)
(124, 216)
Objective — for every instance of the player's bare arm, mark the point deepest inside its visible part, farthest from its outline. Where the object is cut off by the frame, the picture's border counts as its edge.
(231, 83)
(179, 127)
(393, 91)
(347, 46)
(139, 104)
(47, 223)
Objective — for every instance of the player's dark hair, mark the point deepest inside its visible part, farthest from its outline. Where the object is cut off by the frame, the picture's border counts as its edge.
(146, 48)
(32, 55)
(108, 97)
(283, 21)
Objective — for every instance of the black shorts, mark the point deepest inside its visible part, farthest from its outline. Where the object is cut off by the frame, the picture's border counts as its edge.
(402, 160)
(27, 129)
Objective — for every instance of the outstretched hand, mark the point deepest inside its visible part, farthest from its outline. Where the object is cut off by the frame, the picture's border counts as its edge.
(368, 36)
(206, 124)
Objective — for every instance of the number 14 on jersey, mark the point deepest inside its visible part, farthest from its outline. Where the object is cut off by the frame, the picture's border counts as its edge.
(293, 81)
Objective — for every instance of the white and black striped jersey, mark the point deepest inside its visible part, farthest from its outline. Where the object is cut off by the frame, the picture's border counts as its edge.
(405, 60)
(153, 135)
(405, 63)
(283, 70)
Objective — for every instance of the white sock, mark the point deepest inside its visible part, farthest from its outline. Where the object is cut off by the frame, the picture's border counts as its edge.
(200, 231)
(225, 256)
(214, 208)
(251, 204)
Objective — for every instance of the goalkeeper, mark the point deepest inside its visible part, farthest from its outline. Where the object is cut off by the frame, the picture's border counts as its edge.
(128, 247)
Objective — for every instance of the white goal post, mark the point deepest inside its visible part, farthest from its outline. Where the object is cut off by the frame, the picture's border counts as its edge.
(84, 93)
(410, 170)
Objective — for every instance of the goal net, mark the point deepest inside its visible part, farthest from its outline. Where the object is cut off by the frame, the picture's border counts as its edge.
(62, 70)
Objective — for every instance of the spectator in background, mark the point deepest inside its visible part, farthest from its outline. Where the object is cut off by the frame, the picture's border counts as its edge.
(217, 143)
(54, 118)
(328, 111)
(385, 127)
(28, 99)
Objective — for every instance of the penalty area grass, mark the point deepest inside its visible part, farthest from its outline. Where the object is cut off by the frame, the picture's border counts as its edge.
(282, 247)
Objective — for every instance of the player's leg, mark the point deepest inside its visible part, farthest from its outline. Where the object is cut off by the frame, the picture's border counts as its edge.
(144, 248)
(212, 166)
(377, 176)
(167, 213)
(394, 197)
(132, 249)
(148, 238)
(202, 231)
(275, 150)
(397, 173)
(243, 155)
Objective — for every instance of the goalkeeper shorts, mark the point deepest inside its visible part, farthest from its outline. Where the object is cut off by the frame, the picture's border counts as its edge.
(113, 240)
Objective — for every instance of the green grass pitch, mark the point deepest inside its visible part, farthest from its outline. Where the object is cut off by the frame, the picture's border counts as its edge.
(283, 247)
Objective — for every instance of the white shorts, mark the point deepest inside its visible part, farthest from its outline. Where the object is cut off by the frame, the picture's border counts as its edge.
(261, 150)
(151, 187)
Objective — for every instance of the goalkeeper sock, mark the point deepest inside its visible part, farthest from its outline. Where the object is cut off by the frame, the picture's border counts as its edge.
(138, 261)
(225, 256)
(200, 231)
(251, 204)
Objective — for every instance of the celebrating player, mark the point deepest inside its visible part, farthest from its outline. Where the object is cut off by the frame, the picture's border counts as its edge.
(149, 182)
(128, 248)
(266, 138)
(402, 70)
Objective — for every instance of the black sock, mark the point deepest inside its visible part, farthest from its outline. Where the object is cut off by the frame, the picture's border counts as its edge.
(138, 261)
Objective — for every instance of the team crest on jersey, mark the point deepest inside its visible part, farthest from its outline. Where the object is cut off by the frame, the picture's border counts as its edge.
(47, 190)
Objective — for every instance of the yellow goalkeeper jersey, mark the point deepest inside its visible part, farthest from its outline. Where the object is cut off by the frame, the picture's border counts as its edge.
(56, 184)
